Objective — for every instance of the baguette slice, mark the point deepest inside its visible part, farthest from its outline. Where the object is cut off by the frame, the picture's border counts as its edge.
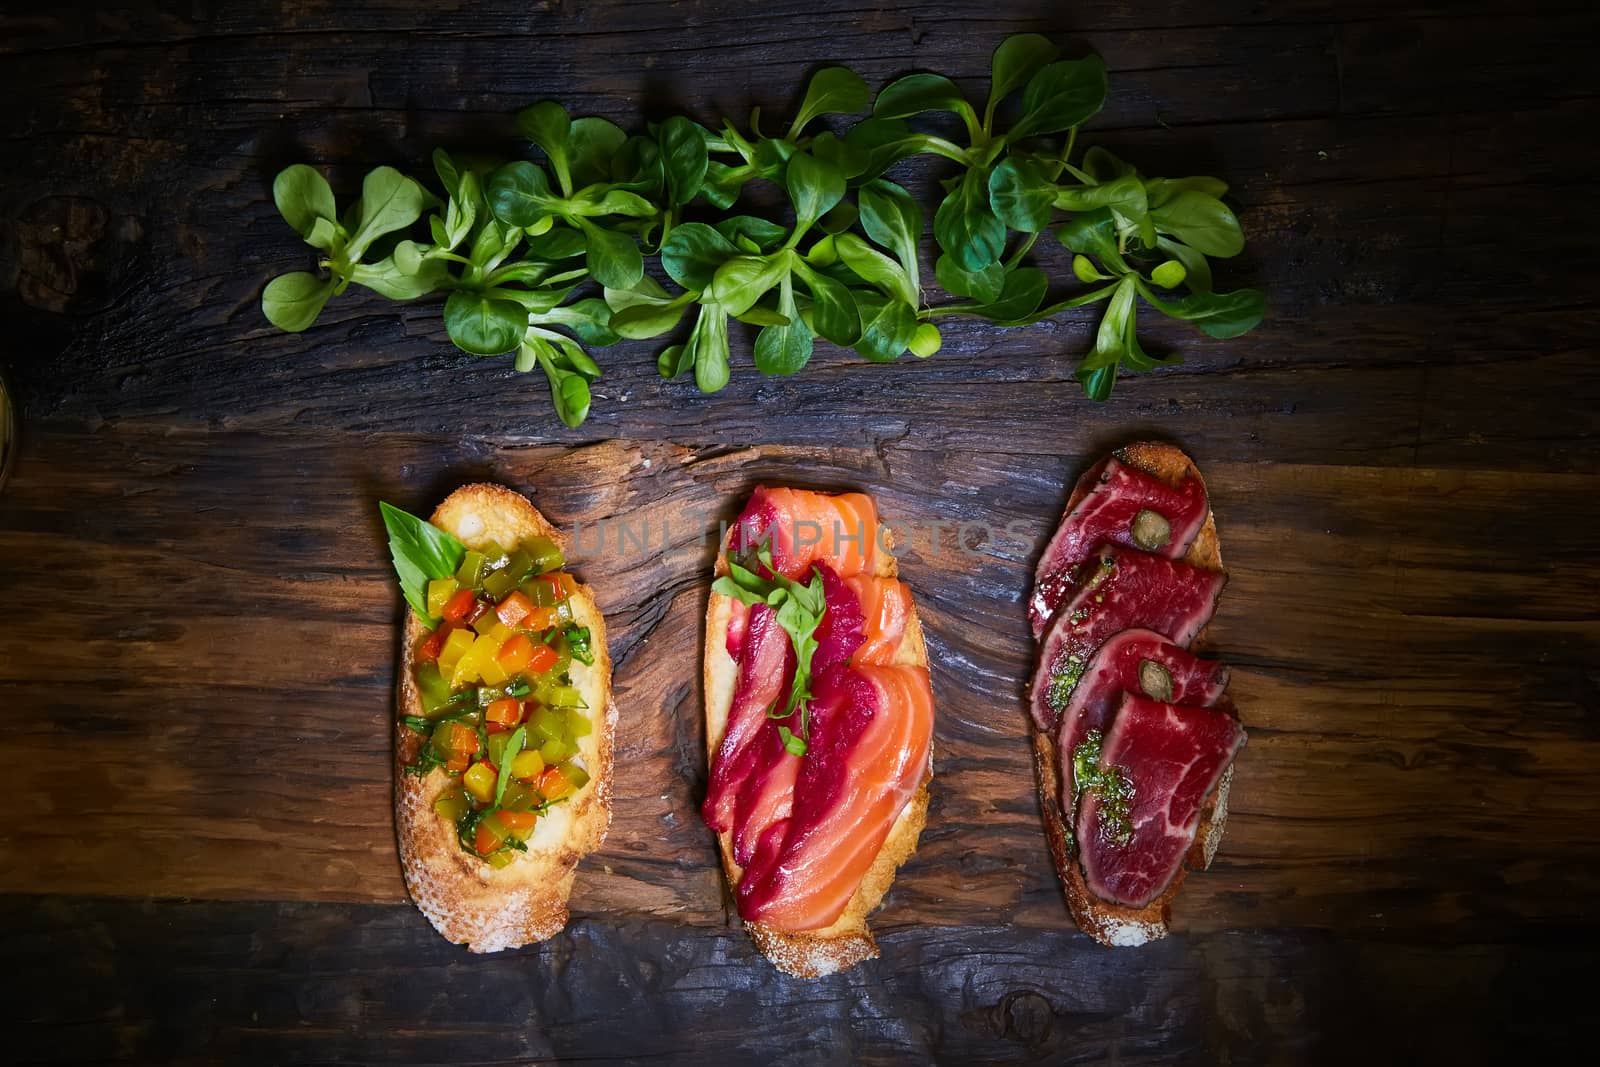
(815, 953)
(468, 901)
(1108, 923)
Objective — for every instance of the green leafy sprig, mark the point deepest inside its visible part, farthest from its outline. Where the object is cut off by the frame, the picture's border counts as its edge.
(799, 609)
(546, 259)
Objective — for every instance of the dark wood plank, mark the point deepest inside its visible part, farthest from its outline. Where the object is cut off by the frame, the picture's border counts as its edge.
(236, 626)
(199, 982)
(195, 681)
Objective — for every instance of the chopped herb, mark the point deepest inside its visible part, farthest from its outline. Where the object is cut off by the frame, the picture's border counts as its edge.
(799, 611)
(1064, 678)
(578, 641)
(513, 746)
(1110, 784)
(795, 745)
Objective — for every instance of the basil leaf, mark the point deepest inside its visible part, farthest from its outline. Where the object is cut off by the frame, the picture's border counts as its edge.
(1060, 96)
(303, 196)
(832, 91)
(966, 227)
(292, 302)
(421, 552)
(792, 744)
(513, 747)
(482, 326)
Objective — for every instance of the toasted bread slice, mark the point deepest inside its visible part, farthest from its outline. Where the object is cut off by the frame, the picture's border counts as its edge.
(848, 941)
(1108, 923)
(467, 900)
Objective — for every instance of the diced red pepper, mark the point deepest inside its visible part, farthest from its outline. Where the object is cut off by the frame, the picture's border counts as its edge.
(515, 653)
(458, 606)
(514, 608)
(553, 785)
(558, 587)
(429, 651)
(504, 713)
(542, 658)
(485, 840)
(519, 820)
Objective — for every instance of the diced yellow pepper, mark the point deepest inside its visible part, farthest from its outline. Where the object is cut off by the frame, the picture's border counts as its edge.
(455, 646)
(440, 590)
(479, 781)
(500, 632)
(485, 656)
(527, 765)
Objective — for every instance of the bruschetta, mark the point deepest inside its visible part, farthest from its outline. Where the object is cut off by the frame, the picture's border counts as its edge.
(819, 724)
(503, 741)
(1133, 735)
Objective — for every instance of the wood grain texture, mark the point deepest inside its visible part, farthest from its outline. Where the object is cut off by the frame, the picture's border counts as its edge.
(200, 982)
(196, 676)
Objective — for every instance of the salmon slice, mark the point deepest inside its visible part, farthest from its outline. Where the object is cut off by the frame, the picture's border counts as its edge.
(804, 528)
(764, 675)
(871, 729)
(886, 609)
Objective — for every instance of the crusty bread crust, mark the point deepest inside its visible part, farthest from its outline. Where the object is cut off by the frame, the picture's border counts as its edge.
(1108, 923)
(468, 901)
(848, 941)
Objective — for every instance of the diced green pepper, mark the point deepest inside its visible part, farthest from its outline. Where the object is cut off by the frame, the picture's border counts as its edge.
(433, 687)
(546, 554)
(576, 775)
(500, 584)
(485, 622)
(471, 570)
(578, 725)
(453, 804)
(547, 724)
(494, 557)
(500, 859)
(553, 750)
(497, 748)
(518, 798)
(520, 565)
(567, 696)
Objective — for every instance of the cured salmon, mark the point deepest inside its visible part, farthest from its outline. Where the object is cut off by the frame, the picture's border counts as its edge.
(813, 818)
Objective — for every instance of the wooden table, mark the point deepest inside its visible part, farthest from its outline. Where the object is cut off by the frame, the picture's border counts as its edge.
(197, 666)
